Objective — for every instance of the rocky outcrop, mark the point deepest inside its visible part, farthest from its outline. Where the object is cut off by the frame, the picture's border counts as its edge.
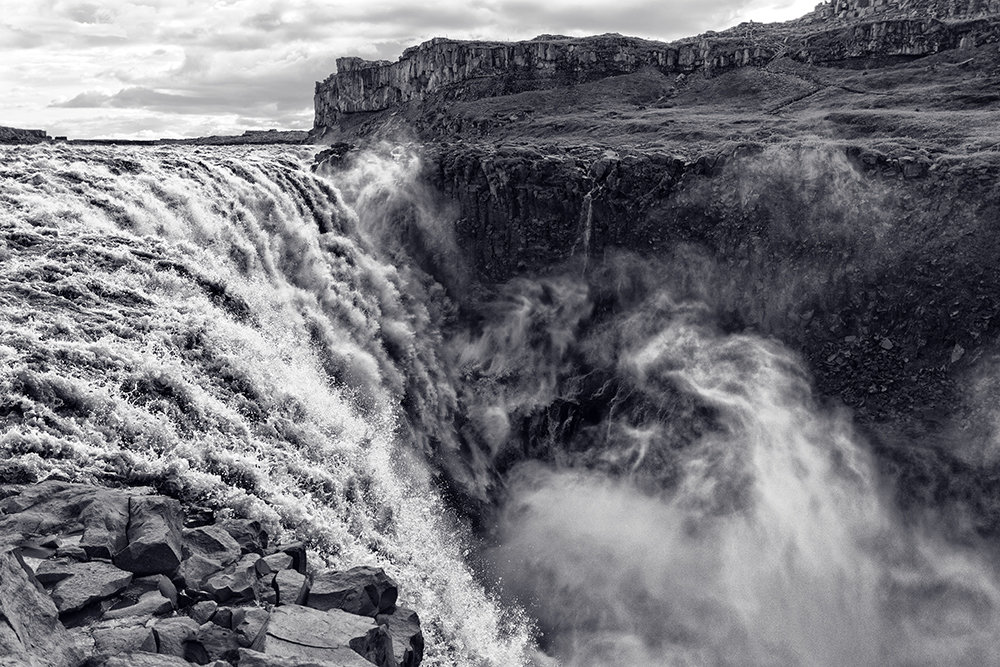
(453, 69)
(13, 135)
(496, 68)
(148, 591)
(939, 9)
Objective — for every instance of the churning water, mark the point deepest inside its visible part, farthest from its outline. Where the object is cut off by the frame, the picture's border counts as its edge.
(228, 326)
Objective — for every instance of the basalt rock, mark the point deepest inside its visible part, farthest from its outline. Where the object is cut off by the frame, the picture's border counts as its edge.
(115, 616)
(30, 631)
(364, 590)
(308, 634)
(154, 536)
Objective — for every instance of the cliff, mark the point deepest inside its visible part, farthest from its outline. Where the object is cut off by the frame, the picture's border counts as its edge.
(467, 70)
(13, 135)
(829, 182)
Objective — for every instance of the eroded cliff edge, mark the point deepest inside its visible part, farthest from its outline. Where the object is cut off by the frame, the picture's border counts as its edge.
(831, 182)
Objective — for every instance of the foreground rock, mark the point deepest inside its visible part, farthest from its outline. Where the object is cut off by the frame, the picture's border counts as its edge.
(210, 595)
(30, 631)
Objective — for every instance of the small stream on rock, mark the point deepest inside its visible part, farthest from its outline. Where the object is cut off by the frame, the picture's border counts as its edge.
(579, 468)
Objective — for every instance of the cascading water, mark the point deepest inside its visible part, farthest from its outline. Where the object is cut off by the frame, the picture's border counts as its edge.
(213, 322)
(229, 327)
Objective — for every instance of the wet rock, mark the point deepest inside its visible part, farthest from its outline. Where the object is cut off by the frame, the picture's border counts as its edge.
(249, 534)
(304, 633)
(407, 639)
(236, 582)
(30, 632)
(80, 584)
(291, 586)
(363, 590)
(154, 536)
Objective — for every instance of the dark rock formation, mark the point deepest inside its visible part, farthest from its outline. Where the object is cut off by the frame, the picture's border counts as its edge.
(30, 631)
(13, 135)
(367, 591)
(237, 606)
(154, 536)
(311, 635)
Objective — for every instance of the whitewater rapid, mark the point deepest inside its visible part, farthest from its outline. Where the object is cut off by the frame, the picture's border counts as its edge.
(310, 350)
(213, 323)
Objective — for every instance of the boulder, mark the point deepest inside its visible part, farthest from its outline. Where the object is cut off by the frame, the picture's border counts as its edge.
(407, 639)
(248, 533)
(266, 590)
(236, 582)
(214, 642)
(274, 563)
(30, 632)
(364, 590)
(115, 636)
(80, 584)
(151, 603)
(296, 551)
(250, 629)
(174, 635)
(59, 508)
(376, 647)
(154, 536)
(143, 659)
(249, 658)
(291, 586)
(195, 570)
(105, 520)
(203, 611)
(294, 631)
(212, 542)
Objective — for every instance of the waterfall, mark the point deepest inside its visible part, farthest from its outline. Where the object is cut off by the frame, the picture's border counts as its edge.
(216, 323)
(309, 350)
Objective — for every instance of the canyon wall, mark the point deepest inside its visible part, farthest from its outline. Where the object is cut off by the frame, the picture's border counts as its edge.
(471, 69)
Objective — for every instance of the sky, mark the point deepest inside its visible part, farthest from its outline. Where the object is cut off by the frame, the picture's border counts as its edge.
(184, 68)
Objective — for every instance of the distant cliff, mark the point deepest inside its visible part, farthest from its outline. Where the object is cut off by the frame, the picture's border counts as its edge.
(474, 69)
(13, 135)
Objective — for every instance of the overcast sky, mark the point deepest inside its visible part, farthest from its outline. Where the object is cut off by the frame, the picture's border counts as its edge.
(181, 68)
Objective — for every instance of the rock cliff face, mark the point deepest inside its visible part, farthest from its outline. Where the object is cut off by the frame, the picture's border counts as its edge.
(471, 69)
(13, 135)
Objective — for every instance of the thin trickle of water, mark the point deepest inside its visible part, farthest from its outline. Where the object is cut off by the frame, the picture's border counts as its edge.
(586, 228)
